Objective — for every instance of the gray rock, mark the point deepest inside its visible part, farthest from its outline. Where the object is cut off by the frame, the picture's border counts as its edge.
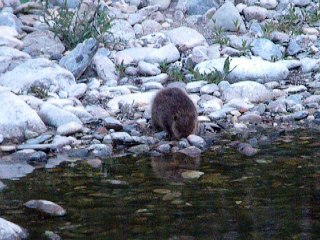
(77, 90)
(121, 30)
(10, 58)
(247, 69)
(104, 67)
(80, 112)
(309, 65)
(168, 53)
(45, 206)
(163, 4)
(225, 18)
(240, 104)
(80, 57)
(14, 170)
(55, 116)
(101, 150)
(150, 26)
(194, 87)
(161, 78)
(197, 7)
(142, 14)
(43, 42)
(185, 37)
(151, 86)
(164, 148)
(196, 141)
(145, 68)
(37, 72)
(11, 231)
(266, 49)
(253, 91)
(250, 118)
(112, 123)
(255, 12)
(69, 128)
(121, 137)
(191, 151)
(209, 88)
(17, 116)
(132, 55)
(10, 20)
(301, 3)
(139, 149)
(268, 4)
(280, 37)
(29, 156)
(69, 3)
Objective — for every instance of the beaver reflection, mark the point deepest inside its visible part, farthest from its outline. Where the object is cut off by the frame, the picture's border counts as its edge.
(171, 169)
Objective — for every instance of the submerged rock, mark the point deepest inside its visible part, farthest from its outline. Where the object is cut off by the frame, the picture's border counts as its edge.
(14, 170)
(45, 206)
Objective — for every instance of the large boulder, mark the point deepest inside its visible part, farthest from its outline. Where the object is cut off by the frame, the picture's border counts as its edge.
(247, 69)
(37, 72)
(11, 231)
(16, 116)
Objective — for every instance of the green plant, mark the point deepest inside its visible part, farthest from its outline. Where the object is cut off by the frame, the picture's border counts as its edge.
(38, 91)
(175, 74)
(75, 26)
(219, 35)
(120, 69)
(164, 66)
(236, 25)
(245, 48)
(215, 76)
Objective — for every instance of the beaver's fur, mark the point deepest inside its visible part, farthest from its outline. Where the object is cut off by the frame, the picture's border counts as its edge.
(174, 112)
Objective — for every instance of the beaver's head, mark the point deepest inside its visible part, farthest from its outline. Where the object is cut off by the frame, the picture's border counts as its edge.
(184, 124)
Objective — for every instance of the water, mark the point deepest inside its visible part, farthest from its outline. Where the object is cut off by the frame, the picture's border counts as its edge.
(273, 195)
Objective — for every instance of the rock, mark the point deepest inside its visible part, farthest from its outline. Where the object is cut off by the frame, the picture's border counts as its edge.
(199, 54)
(194, 87)
(135, 99)
(250, 118)
(69, 128)
(142, 14)
(10, 20)
(29, 156)
(164, 148)
(191, 151)
(132, 55)
(37, 72)
(51, 235)
(77, 90)
(112, 123)
(43, 42)
(139, 149)
(196, 141)
(161, 78)
(14, 170)
(101, 150)
(2, 187)
(55, 116)
(280, 37)
(240, 104)
(168, 53)
(11, 231)
(151, 86)
(45, 206)
(185, 37)
(145, 68)
(295, 89)
(197, 7)
(69, 3)
(121, 30)
(247, 69)
(268, 4)
(150, 26)
(246, 149)
(163, 4)
(301, 3)
(209, 88)
(255, 12)
(266, 49)
(10, 58)
(1, 138)
(104, 67)
(95, 163)
(191, 174)
(309, 65)
(253, 91)
(226, 17)
(121, 137)
(17, 116)
(80, 57)
(212, 105)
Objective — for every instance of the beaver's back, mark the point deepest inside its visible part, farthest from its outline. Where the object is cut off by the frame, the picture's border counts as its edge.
(172, 110)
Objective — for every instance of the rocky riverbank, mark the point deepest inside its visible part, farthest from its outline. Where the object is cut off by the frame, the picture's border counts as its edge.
(249, 66)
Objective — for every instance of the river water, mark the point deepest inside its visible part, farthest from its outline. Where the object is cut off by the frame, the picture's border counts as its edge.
(273, 195)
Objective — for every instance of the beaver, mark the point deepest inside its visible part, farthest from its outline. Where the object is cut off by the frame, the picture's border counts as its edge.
(173, 111)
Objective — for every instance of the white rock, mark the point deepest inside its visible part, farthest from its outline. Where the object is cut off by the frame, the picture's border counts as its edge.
(209, 88)
(268, 4)
(247, 69)
(212, 105)
(309, 65)
(168, 53)
(161, 78)
(195, 86)
(80, 112)
(253, 91)
(77, 90)
(163, 4)
(120, 30)
(9, 230)
(10, 58)
(132, 55)
(150, 26)
(69, 128)
(135, 99)
(17, 116)
(55, 116)
(185, 37)
(151, 86)
(145, 68)
(37, 72)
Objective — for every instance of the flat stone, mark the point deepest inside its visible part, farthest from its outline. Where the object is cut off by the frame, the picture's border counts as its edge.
(14, 170)
(247, 69)
(55, 116)
(69, 128)
(185, 37)
(37, 72)
(80, 57)
(43, 42)
(191, 174)
(45, 206)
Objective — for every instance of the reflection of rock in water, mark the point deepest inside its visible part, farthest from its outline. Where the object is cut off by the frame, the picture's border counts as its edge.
(171, 168)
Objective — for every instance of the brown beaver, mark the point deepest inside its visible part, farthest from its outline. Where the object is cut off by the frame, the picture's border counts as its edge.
(174, 112)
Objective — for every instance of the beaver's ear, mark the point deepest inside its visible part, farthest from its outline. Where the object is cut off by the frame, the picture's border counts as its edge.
(175, 117)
